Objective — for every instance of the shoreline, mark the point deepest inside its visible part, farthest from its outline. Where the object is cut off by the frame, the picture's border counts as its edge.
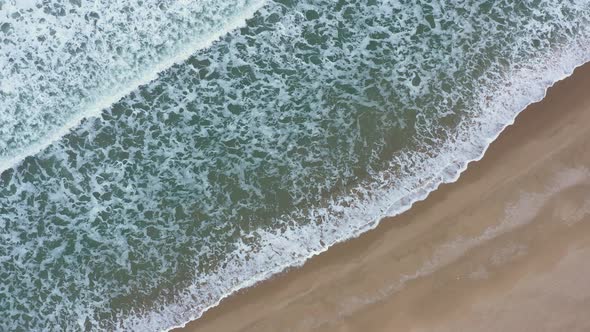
(347, 256)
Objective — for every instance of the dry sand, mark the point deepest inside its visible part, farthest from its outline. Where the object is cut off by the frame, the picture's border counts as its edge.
(505, 248)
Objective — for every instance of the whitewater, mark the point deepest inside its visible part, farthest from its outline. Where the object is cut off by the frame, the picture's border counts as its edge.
(157, 157)
(127, 48)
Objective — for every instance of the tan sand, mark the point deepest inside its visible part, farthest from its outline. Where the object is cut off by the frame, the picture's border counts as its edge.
(505, 248)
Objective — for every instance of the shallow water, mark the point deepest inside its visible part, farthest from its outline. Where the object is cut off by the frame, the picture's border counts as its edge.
(203, 166)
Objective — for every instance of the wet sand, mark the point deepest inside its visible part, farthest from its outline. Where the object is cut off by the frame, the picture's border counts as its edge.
(505, 248)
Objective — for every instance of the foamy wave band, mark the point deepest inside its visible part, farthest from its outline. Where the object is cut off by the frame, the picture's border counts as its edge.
(340, 221)
(239, 162)
(101, 57)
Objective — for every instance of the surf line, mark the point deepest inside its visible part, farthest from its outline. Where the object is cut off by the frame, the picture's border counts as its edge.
(96, 108)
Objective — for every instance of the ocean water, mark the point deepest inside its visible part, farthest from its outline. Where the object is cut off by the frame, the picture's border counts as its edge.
(157, 156)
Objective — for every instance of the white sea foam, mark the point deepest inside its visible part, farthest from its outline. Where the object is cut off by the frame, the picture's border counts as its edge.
(527, 83)
(297, 245)
(44, 94)
(187, 177)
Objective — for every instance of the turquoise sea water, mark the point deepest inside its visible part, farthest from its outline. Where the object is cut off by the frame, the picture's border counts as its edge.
(159, 155)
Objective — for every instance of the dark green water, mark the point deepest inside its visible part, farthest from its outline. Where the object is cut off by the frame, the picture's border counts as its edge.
(298, 129)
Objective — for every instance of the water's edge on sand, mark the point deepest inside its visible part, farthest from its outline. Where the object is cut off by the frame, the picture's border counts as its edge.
(563, 94)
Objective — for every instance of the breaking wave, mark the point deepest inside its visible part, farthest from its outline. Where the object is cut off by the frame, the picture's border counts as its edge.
(300, 129)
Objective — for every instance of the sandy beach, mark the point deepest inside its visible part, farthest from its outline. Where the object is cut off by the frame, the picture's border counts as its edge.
(502, 249)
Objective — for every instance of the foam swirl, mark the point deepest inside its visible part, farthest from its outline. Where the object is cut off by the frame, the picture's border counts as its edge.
(297, 131)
